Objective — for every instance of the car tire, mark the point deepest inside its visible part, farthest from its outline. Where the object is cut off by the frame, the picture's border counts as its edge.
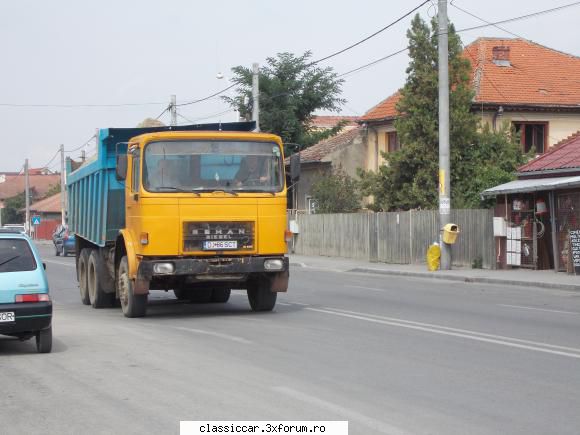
(44, 340)
(260, 296)
(132, 305)
(96, 271)
(82, 275)
(56, 251)
(220, 295)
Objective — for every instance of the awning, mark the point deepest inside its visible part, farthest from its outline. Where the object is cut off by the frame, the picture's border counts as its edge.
(533, 185)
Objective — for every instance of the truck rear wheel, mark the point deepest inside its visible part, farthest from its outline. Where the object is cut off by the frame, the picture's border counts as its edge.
(132, 305)
(82, 275)
(220, 295)
(200, 296)
(260, 296)
(96, 271)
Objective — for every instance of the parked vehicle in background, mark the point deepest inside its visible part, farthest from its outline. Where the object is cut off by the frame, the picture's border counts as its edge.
(64, 241)
(25, 305)
(18, 227)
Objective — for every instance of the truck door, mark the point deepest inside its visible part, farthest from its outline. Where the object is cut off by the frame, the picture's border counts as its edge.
(132, 197)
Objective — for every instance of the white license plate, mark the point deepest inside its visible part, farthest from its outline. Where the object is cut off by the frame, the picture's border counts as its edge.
(6, 317)
(215, 245)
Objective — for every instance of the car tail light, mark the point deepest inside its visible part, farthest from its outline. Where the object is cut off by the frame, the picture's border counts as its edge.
(32, 297)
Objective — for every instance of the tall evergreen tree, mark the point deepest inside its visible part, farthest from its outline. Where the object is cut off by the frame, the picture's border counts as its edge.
(410, 178)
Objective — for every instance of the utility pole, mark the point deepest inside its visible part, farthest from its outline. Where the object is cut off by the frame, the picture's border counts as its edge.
(444, 169)
(27, 196)
(256, 94)
(173, 110)
(62, 186)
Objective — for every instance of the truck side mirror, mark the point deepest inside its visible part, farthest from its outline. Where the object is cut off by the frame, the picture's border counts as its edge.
(121, 168)
(295, 167)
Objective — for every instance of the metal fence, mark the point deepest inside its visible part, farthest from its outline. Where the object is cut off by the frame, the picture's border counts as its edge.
(401, 237)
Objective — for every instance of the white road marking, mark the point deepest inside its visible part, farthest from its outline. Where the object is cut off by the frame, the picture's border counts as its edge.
(282, 303)
(347, 413)
(59, 263)
(454, 332)
(214, 334)
(538, 309)
(301, 304)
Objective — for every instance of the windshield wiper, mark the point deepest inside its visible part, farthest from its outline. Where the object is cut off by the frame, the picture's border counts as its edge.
(10, 259)
(175, 189)
(258, 191)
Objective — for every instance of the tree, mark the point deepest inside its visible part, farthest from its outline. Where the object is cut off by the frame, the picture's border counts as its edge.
(291, 90)
(337, 193)
(410, 178)
(11, 213)
(52, 190)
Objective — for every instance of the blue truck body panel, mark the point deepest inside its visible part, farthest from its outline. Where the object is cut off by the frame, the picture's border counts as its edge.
(96, 199)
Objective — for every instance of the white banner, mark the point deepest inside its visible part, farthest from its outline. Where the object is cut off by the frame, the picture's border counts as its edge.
(277, 427)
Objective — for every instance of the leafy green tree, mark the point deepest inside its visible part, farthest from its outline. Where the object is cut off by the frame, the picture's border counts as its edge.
(411, 178)
(53, 190)
(291, 90)
(11, 213)
(337, 193)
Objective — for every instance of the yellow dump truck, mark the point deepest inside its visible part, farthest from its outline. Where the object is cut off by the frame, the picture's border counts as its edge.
(199, 210)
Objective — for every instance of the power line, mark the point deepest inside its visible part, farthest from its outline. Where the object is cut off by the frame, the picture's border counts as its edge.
(69, 106)
(81, 146)
(373, 62)
(206, 98)
(50, 161)
(193, 121)
(370, 36)
(521, 17)
(164, 110)
(487, 22)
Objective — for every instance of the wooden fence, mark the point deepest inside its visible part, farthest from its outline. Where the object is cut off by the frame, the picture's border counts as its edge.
(401, 237)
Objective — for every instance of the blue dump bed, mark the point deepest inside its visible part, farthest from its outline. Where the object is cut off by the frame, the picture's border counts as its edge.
(96, 199)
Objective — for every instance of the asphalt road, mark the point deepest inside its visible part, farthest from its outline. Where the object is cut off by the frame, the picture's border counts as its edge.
(391, 355)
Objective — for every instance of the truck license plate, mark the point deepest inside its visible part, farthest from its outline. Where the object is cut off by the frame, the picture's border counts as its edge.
(216, 245)
(6, 317)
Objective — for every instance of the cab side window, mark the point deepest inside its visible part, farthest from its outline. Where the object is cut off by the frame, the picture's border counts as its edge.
(136, 173)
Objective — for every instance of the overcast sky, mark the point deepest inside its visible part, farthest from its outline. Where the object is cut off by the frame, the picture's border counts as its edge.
(118, 52)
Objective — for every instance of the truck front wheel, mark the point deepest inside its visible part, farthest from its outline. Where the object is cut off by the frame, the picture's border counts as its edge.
(260, 294)
(133, 305)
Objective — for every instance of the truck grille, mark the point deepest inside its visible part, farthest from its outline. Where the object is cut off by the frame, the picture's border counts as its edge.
(196, 234)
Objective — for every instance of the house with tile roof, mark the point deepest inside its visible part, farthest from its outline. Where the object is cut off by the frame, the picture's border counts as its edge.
(544, 203)
(346, 150)
(39, 185)
(534, 88)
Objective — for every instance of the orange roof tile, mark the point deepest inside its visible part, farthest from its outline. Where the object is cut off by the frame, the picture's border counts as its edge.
(47, 205)
(40, 184)
(317, 152)
(536, 76)
(323, 121)
(564, 155)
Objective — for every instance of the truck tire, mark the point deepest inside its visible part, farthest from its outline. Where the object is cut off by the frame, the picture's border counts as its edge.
(260, 296)
(220, 295)
(180, 294)
(96, 282)
(132, 305)
(82, 275)
(200, 296)
(44, 340)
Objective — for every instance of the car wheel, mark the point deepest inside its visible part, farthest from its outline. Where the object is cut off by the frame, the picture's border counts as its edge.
(44, 340)
(132, 305)
(82, 275)
(260, 296)
(95, 282)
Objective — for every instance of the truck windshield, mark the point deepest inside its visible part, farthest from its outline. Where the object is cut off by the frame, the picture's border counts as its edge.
(197, 166)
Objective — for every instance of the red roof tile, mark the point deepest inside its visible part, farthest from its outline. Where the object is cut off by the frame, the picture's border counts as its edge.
(384, 110)
(47, 205)
(563, 155)
(40, 184)
(536, 75)
(323, 121)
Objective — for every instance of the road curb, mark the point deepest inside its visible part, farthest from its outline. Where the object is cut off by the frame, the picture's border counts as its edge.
(470, 279)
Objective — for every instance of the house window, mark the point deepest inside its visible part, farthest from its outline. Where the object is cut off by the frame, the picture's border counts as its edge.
(393, 141)
(533, 135)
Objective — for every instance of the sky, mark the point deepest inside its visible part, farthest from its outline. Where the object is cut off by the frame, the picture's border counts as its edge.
(70, 52)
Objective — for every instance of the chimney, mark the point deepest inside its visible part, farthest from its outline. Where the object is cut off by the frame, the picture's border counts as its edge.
(501, 55)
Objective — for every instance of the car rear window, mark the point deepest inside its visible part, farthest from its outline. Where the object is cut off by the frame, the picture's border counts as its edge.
(16, 256)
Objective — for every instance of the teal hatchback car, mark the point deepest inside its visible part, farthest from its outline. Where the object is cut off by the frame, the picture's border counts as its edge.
(25, 305)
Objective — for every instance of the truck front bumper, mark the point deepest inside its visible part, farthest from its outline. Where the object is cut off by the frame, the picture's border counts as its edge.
(214, 269)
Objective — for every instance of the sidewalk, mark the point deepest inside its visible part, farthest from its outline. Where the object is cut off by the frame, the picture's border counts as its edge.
(519, 277)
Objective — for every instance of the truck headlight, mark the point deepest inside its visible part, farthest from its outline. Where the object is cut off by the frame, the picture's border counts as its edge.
(163, 268)
(274, 264)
